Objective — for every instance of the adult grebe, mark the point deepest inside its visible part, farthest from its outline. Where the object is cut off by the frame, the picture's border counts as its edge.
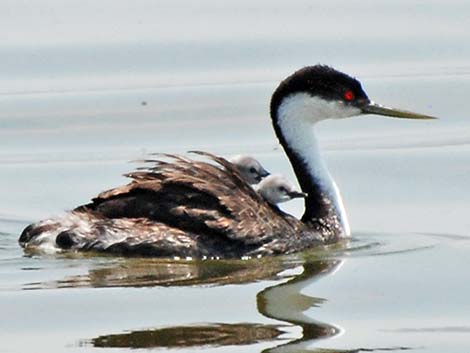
(190, 208)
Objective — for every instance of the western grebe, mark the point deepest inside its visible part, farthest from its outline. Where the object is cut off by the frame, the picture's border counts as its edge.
(185, 207)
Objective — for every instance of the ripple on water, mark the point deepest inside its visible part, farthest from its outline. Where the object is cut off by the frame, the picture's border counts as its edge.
(284, 284)
(36, 270)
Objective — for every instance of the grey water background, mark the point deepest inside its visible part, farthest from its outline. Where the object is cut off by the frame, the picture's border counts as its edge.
(88, 86)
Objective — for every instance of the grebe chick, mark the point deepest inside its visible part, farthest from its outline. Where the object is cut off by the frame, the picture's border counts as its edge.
(276, 189)
(249, 168)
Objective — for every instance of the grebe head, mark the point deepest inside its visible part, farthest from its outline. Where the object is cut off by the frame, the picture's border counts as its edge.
(250, 169)
(276, 189)
(308, 96)
(320, 92)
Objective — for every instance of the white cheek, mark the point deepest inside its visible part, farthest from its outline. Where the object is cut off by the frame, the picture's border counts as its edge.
(315, 109)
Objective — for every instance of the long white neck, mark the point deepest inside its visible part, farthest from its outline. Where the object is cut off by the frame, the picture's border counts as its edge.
(296, 117)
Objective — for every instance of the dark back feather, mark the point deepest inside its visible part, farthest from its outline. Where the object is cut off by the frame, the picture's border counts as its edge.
(201, 196)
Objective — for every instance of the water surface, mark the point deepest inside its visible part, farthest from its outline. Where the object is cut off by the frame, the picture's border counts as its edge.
(80, 101)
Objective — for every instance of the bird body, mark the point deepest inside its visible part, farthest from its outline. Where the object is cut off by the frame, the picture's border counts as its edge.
(179, 208)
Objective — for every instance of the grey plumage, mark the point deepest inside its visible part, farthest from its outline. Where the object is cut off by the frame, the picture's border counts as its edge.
(277, 189)
(250, 168)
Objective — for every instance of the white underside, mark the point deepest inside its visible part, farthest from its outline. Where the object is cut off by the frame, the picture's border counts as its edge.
(82, 224)
(46, 240)
(297, 116)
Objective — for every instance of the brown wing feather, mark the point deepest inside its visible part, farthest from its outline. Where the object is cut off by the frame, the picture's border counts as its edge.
(197, 196)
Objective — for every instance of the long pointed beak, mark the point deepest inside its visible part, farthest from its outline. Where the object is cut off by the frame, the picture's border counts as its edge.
(374, 108)
(297, 194)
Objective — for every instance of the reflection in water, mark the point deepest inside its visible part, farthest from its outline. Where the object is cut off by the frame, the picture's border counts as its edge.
(215, 335)
(144, 272)
(281, 302)
(110, 271)
(285, 302)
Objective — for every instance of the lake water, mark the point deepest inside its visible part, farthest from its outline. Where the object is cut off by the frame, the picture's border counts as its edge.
(87, 87)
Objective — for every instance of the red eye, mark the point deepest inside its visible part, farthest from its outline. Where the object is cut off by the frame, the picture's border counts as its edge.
(348, 96)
